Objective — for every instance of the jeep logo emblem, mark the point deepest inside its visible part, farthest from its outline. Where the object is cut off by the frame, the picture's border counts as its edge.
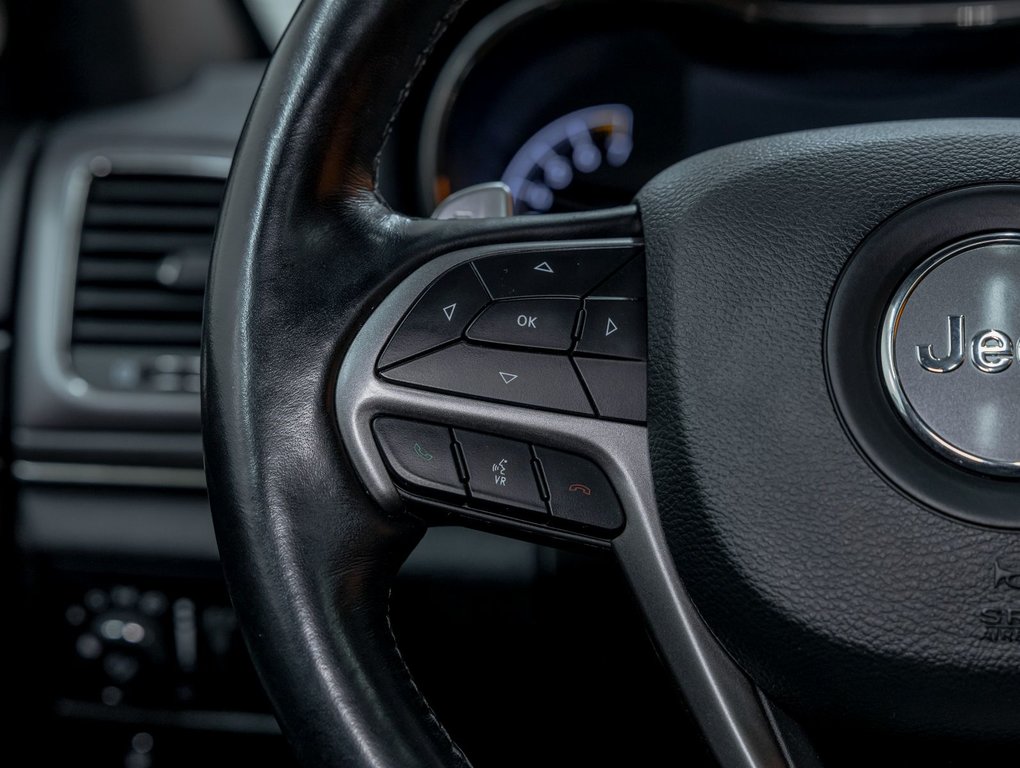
(946, 353)
(989, 350)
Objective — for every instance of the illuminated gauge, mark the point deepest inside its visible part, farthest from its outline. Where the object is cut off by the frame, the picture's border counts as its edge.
(563, 166)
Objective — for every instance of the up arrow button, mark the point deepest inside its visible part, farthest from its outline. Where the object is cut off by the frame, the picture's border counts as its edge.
(572, 272)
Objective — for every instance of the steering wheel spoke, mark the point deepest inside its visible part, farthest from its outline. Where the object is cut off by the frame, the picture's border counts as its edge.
(447, 425)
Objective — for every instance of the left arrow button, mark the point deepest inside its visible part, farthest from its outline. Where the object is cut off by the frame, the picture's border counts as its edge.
(439, 316)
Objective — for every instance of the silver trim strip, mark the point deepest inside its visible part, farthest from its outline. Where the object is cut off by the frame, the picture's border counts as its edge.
(887, 357)
(480, 201)
(61, 473)
(724, 701)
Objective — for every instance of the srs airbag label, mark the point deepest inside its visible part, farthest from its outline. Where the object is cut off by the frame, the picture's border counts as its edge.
(1001, 623)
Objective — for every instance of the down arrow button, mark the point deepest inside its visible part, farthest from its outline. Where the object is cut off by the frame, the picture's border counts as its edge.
(523, 378)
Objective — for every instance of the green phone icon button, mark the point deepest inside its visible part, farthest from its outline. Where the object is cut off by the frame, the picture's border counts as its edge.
(422, 453)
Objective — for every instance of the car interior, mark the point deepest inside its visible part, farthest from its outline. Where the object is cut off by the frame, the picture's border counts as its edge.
(511, 382)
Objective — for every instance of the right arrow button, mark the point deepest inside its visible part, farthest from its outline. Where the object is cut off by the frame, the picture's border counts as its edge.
(614, 328)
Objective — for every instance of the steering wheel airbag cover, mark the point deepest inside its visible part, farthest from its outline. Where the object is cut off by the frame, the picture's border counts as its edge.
(836, 592)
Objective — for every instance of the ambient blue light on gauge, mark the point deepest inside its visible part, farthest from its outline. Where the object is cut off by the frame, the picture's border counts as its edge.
(562, 153)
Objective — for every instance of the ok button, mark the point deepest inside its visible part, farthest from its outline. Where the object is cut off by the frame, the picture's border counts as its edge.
(535, 323)
(527, 321)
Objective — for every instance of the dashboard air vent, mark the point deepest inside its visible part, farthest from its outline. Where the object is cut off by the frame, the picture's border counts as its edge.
(143, 256)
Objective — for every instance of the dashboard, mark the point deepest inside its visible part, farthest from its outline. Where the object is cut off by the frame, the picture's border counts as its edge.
(574, 105)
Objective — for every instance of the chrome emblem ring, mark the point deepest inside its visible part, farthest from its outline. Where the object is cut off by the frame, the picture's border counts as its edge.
(947, 351)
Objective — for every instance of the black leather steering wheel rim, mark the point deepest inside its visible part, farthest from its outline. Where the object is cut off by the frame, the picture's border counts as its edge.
(306, 250)
(305, 173)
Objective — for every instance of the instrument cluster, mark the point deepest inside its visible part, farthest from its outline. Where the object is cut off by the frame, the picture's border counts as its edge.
(576, 104)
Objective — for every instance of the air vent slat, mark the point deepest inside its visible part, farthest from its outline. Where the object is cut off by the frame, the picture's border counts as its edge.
(93, 270)
(136, 301)
(152, 332)
(143, 254)
(167, 217)
(136, 189)
(109, 241)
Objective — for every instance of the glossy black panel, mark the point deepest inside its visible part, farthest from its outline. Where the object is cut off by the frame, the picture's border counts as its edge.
(617, 386)
(627, 283)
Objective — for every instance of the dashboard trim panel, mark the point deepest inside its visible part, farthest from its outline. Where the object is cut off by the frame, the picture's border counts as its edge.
(52, 394)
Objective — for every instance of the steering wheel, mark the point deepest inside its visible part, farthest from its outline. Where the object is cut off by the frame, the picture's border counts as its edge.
(817, 505)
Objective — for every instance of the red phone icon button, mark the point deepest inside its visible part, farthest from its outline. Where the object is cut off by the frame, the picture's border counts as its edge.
(580, 494)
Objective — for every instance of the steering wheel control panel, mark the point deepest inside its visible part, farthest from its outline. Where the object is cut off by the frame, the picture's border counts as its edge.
(507, 391)
(488, 472)
(558, 330)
